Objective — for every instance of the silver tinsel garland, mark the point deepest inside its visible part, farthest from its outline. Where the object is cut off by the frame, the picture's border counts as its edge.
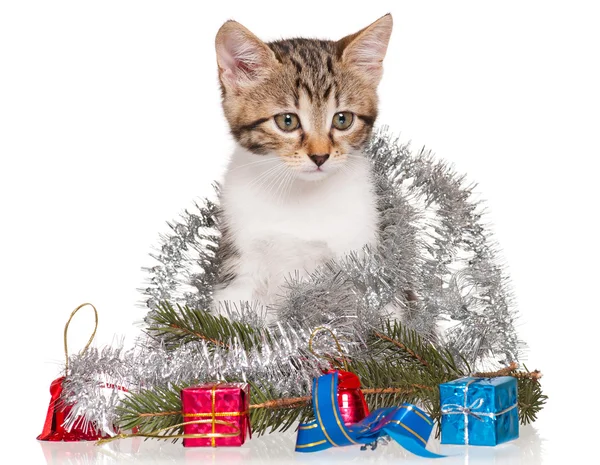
(432, 242)
(98, 378)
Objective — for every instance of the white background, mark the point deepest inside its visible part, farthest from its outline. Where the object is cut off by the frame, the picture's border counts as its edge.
(110, 125)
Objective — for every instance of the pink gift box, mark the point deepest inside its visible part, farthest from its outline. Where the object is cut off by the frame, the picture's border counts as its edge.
(219, 412)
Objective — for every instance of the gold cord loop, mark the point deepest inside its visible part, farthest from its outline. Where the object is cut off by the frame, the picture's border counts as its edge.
(91, 337)
(337, 343)
(157, 434)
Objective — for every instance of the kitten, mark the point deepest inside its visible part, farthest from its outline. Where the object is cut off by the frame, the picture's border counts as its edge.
(298, 190)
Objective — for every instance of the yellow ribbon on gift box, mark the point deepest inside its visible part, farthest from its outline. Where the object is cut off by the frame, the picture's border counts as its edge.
(157, 434)
(213, 419)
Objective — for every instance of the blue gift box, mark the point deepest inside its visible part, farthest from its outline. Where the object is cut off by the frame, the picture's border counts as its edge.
(479, 411)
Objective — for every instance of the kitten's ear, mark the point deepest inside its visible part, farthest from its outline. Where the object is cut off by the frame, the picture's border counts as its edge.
(366, 49)
(243, 58)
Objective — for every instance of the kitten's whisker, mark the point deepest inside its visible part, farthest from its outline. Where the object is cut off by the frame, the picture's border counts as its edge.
(273, 179)
(359, 157)
(270, 188)
(346, 170)
(281, 183)
(277, 189)
(351, 158)
(265, 181)
(290, 185)
(255, 163)
(266, 172)
(346, 166)
(287, 185)
(263, 176)
(256, 182)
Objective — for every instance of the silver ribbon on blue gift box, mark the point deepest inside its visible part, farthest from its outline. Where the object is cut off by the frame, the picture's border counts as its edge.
(479, 411)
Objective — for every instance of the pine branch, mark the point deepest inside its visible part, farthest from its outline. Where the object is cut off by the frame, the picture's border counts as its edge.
(507, 371)
(269, 413)
(401, 342)
(151, 410)
(531, 397)
(285, 402)
(402, 367)
(534, 375)
(180, 325)
(390, 381)
(288, 402)
(404, 348)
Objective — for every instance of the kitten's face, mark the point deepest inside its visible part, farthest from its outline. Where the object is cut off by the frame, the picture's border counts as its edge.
(312, 103)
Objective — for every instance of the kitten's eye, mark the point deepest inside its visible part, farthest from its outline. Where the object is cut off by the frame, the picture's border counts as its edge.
(287, 121)
(343, 120)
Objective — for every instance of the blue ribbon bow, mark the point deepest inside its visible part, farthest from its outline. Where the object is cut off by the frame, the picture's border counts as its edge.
(408, 425)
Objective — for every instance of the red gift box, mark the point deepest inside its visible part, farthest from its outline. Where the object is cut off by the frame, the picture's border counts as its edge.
(216, 414)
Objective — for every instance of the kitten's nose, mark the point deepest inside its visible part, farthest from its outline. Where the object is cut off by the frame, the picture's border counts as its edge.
(319, 159)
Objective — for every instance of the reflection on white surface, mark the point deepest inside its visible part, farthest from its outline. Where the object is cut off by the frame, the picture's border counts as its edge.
(279, 448)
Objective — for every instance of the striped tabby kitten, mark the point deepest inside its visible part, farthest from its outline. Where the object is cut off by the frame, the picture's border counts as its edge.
(298, 190)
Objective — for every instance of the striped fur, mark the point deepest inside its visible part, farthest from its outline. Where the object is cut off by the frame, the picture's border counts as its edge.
(320, 75)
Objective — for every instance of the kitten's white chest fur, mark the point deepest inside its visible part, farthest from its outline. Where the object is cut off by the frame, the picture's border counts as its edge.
(280, 225)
